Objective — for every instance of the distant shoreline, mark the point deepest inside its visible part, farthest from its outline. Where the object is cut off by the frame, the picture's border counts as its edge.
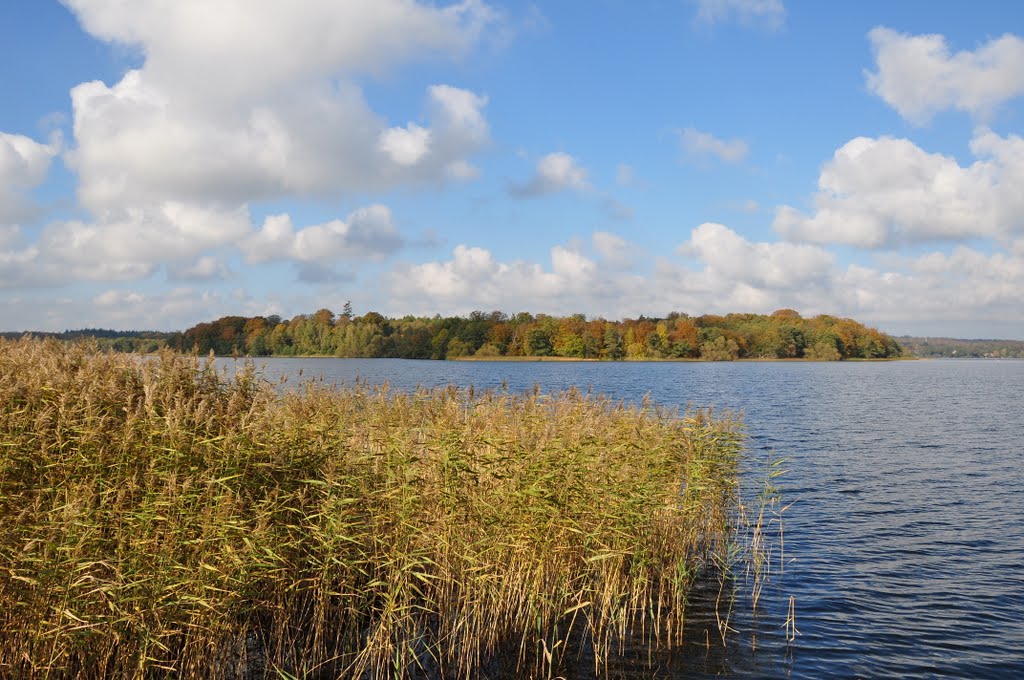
(588, 360)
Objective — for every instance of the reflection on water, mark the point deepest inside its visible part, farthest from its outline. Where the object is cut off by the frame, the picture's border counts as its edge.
(907, 534)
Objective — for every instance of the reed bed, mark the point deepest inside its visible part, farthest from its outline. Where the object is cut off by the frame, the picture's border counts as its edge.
(159, 519)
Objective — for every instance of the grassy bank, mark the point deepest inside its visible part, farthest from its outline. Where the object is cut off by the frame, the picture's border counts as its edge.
(158, 519)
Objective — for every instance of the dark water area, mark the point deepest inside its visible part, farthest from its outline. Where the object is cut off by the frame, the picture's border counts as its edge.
(904, 547)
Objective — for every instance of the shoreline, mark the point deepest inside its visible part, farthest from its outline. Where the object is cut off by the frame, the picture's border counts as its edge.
(534, 359)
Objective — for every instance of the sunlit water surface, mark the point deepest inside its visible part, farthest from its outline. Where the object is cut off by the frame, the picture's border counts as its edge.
(905, 546)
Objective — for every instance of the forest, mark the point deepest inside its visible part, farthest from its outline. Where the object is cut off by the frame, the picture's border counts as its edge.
(784, 334)
(954, 348)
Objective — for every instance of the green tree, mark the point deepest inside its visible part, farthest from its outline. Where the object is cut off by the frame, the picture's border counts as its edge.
(439, 345)
(823, 350)
(457, 348)
(613, 348)
(720, 349)
(538, 343)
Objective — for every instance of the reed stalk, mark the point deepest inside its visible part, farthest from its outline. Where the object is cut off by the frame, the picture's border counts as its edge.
(159, 519)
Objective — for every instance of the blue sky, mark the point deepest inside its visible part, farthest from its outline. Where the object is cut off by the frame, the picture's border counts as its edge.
(163, 164)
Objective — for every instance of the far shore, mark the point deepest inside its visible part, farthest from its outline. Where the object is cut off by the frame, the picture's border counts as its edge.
(634, 360)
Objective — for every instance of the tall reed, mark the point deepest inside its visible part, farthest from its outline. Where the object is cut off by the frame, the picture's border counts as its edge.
(160, 519)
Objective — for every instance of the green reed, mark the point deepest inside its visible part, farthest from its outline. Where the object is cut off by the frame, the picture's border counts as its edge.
(158, 518)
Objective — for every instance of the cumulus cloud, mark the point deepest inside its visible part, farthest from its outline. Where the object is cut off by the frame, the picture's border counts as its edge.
(730, 257)
(965, 285)
(117, 298)
(248, 48)
(122, 245)
(730, 273)
(767, 13)
(474, 279)
(918, 75)
(237, 101)
(725, 272)
(367, 233)
(130, 243)
(554, 172)
(616, 252)
(206, 268)
(718, 271)
(697, 144)
(471, 276)
(887, 192)
(24, 164)
(137, 142)
(406, 146)
(262, 102)
(173, 309)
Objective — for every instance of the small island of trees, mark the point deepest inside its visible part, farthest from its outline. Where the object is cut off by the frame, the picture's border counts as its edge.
(784, 334)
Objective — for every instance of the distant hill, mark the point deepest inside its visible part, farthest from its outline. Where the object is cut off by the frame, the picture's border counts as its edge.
(960, 348)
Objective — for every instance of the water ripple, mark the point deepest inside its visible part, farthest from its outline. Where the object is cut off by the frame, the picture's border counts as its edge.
(907, 538)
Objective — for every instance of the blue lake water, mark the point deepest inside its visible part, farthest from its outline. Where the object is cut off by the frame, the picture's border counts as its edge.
(905, 545)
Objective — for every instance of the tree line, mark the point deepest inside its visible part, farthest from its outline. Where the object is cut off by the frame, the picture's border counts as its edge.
(108, 339)
(784, 334)
(958, 349)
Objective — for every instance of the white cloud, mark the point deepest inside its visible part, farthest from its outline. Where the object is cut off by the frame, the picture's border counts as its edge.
(124, 245)
(732, 274)
(117, 298)
(405, 146)
(244, 49)
(18, 266)
(471, 274)
(174, 309)
(206, 268)
(131, 244)
(963, 285)
(367, 233)
(728, 257)
(728, 273)
(768, 13)
(700, 144)
(136, 143)
(144, 236)
(459, 130)
(554, 172)
(919, 77)
(722, 272)
(474, 279)
(886, 192)
(461, 170)
(239, 100)
(616, 252)
(24, 164)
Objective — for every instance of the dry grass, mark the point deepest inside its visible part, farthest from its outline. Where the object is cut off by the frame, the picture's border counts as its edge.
(158, 519)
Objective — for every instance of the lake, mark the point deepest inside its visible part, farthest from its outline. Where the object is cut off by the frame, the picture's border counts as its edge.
(904, 547)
